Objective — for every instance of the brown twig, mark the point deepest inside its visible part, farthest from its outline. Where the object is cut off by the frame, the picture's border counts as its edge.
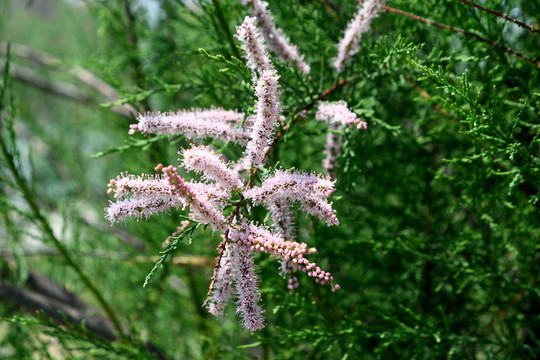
(466, 33)
(495, 13)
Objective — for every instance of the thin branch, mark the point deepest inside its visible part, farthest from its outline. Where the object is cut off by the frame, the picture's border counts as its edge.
(495, 13)
(466, 33)
(184, 261)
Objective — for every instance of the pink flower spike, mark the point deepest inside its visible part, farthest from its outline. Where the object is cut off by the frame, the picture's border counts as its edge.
(275, 38)
(339, 113)
(200, 204)
(223, 287)
(283, 219)
(268, 111)
(310, 190)
(253, 45)
(139, 207)
(247, 289)
(359, 24)
(218, 124)
(291, 253)
(202, 159)
(332, 148)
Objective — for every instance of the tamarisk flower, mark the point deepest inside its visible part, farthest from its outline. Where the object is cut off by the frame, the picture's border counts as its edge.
(309, 189)
(282, 217)
(246, 288)
(140, 196)
(359, 24)
(332, 147)
(202, 209)
(219, 124)
(260, 239)
(223, 286)
(253, 45)
(276, 39)
(337, 115)
(338, 112)
(202, 159)
(146, 195)
(268, 112)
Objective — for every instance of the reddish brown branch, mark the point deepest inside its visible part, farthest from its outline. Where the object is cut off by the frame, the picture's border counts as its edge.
(495, 13)
(466, 33)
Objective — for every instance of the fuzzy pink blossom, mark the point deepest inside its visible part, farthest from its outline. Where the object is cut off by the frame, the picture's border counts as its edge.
(225, 125)
(202, 159)
(338, 112)
(253, 45)
(137, 208)
(309, 189)
(359, 24)
(202, 209)
(260, 239)
(332, 147)
(140, 196)
(247, 288)
(282, 217)
(223, 286)
(275, 38)
(268, 113)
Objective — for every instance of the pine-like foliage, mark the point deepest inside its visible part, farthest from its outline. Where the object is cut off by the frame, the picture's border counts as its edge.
(410, 127)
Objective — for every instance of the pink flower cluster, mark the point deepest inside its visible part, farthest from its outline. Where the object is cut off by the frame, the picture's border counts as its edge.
(202, 159)
(338, 112)
(220, 124)
(268, 111)
(224, 186)
(359, 24)
(253, 45)
(309, 189)
(337, 115)
(260, 239)
(276, 39)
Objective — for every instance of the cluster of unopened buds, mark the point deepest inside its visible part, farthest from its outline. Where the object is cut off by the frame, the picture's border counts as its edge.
(227, 189)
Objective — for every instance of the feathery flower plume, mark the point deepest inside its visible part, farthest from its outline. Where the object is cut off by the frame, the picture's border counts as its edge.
(359, 24)
(338, 112)
(337, 115)
(202, 159)
(332, 148)
(247, 289)
(282, 217)
(223, 287)
(202, 209)
(137, 208)
(219, 124)
(310, 190)
(253, 45)
(140, 196)
(268, 112)
(260, 239)
(275, 38)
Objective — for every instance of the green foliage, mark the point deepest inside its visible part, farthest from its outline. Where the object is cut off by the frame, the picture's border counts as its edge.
(437, 251)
